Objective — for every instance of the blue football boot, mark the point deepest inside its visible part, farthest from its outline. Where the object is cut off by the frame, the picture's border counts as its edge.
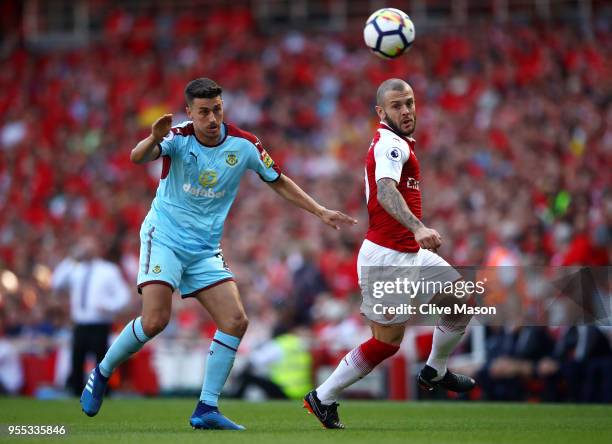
(93, 393)
(210, 418)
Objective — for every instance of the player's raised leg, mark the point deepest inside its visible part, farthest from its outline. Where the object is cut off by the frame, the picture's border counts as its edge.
(447, 335)
(156, 310)
(224, 305)
(360, 361)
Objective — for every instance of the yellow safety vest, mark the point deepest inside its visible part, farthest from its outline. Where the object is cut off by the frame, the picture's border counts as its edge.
(293, 372)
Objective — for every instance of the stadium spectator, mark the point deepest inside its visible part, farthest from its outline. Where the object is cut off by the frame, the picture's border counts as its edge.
(11, 376)
(583, 361)
(97, 293)
(280, 367)
(512, 357)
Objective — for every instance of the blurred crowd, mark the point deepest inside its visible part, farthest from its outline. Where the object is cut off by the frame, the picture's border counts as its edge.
(537, 363)
(514, 137)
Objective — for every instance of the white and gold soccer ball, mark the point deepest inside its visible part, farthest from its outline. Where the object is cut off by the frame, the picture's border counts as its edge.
(388, 33)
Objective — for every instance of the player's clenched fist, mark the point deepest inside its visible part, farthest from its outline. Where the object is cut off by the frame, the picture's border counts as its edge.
(428, 238)
(161, 127)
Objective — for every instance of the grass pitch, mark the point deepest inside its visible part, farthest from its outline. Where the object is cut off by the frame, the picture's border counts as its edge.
(165, 420)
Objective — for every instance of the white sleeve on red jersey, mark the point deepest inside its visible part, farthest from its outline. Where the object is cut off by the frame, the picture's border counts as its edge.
(390, 154)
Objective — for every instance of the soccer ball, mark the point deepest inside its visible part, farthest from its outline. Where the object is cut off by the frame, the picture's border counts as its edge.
(388, 33)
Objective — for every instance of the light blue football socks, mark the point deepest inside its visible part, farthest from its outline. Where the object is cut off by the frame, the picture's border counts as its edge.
(220, 361)
(218, 366)
(131, 340)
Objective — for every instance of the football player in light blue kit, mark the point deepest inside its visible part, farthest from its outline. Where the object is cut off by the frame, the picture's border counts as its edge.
(203, 162)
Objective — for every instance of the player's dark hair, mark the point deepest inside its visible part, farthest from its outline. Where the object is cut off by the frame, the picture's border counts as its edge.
(202, 88)
(389, 85)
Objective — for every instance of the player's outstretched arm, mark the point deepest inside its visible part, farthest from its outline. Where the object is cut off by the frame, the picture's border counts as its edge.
(290, 191)
(392, 201)
(147, 149)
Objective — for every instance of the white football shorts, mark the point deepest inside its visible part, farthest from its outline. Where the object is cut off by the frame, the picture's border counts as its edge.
(423, 266)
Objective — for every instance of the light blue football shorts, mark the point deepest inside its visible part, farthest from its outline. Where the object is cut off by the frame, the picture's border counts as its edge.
(178, 268)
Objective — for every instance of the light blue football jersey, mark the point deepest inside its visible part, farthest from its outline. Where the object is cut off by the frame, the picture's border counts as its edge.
(199, 184)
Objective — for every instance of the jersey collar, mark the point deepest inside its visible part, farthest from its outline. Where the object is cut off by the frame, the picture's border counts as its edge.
(221, 139)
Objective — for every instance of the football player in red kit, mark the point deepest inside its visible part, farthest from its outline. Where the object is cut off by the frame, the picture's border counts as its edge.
(396, 237)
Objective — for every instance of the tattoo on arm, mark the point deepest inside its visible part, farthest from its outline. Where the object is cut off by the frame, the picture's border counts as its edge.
(392, 201)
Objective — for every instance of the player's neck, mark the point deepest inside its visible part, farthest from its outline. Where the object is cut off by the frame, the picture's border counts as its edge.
(394, 129)
(208, 141)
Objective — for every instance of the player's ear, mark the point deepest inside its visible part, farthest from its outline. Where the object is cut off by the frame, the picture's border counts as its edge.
(380, 111)
(188, 111)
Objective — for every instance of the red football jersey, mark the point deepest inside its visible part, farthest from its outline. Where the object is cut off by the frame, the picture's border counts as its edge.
(391, 155)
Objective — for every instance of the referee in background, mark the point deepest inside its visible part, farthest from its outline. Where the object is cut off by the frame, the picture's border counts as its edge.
(97, 292)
